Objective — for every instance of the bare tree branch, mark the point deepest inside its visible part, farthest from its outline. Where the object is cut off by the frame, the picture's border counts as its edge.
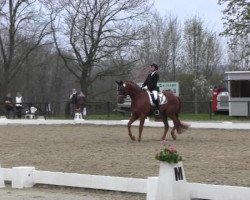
(94, 30)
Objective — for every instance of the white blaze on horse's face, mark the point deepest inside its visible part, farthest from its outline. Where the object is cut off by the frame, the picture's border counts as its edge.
(124, 85)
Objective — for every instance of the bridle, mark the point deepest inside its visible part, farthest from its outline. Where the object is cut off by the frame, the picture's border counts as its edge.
(122, 92)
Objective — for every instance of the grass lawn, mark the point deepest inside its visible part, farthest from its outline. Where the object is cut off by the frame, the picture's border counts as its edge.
(183, 116)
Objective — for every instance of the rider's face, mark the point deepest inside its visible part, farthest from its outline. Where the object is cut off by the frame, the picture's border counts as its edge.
(152, 69)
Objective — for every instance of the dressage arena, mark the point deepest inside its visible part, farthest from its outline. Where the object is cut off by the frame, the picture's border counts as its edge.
(213, 156)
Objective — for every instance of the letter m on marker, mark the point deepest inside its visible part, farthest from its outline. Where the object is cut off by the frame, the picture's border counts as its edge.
(178, 173)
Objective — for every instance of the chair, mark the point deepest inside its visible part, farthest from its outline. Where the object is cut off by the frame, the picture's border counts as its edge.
(78, 116)
(31, 113)
(30, 116)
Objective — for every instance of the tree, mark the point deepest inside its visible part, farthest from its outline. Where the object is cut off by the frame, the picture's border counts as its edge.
(201, 49)
(161, 44)
(237, 28)
(237, 17)
(239, 55)
(201, 56)
(151, 48)
(175, 44)
(22, 28)
(92, 31)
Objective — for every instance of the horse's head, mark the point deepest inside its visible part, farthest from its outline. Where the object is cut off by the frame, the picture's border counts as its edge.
(126, 88)
(122, 92)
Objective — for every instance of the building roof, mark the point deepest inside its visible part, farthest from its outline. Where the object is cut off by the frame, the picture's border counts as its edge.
(237, 72)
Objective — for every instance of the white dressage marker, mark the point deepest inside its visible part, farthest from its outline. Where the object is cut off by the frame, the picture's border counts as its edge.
(1, 178)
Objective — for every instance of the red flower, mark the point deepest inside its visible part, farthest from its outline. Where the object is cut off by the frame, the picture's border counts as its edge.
(172, 149)
(163, 142)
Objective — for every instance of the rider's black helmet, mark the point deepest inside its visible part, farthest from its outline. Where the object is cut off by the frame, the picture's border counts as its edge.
(155, 66)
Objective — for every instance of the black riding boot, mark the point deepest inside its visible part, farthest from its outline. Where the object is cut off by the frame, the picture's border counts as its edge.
(156, 102)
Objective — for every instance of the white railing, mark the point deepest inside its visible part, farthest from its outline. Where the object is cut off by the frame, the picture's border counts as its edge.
(22, 177)
(91, 181)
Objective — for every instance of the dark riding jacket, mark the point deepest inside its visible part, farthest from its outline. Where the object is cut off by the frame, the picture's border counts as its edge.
(151, 82)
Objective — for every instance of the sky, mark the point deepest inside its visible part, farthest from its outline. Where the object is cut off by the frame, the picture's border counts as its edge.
(208, 10)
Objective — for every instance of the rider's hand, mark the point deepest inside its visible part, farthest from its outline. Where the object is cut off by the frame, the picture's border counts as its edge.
(145, 88)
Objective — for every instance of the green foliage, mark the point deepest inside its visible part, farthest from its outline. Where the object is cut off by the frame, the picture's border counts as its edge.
(168, 154)
(107, 117)
(183, 116)
(213, 117)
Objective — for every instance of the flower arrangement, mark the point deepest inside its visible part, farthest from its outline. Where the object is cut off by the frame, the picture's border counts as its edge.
(168, 154)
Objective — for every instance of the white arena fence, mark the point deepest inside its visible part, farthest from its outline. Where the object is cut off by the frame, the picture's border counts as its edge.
(228, 125)
(23, 177)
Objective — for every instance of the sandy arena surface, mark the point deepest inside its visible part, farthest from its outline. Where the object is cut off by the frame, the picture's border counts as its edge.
(210, 156)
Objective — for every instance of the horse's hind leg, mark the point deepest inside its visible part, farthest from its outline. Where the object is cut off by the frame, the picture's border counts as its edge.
(173, 133)
(177, 124)
(175, 121)
(166, 126)
(175, 127)
(131, 121)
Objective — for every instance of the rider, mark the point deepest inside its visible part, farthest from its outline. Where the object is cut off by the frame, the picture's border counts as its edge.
(151, 84)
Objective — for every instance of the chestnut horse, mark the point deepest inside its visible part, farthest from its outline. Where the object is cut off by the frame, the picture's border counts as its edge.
(141, 108)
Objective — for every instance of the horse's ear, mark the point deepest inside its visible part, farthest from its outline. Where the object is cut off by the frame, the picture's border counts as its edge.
(119, 83)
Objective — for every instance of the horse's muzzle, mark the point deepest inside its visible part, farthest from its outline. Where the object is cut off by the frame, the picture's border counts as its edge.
(120, 99)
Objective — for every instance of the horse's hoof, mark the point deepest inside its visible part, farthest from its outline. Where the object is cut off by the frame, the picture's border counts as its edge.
(173, 136)
(133, 138)
(139, 140)
(179, 131)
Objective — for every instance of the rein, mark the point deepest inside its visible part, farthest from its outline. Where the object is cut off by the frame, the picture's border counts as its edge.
(129, 88)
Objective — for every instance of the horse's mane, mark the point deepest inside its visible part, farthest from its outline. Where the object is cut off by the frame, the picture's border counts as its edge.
(133, 85)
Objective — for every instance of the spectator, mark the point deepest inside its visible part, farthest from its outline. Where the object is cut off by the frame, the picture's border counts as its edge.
(9, 106)
(73, 102)
(222, 89)
(19, 101)
(80, 101)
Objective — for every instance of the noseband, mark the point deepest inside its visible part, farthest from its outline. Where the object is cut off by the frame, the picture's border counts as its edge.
(122, 92)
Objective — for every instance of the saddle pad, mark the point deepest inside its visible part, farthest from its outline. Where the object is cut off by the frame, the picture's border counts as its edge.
(161, 97)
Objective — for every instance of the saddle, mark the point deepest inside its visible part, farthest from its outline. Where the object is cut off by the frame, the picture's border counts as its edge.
(160, 97)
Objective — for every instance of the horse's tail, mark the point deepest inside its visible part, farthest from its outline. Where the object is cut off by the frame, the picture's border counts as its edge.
(182, 126)
(180, 105)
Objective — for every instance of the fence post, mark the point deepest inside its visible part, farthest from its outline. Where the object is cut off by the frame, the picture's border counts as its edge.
(22, 177)
(108, 105)
(248, 108)
(29, 106)
(210, 109)
(152, 188)
(172, 184)
(45, 112)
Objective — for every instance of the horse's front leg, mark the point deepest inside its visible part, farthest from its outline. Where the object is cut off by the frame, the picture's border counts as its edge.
(173, 133)
(131, 121)
(142, 120)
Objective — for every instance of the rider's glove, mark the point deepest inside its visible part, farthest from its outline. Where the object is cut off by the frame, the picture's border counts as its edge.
(145, 88)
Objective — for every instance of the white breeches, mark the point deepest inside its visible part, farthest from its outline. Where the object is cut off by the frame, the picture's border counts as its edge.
(155, 93)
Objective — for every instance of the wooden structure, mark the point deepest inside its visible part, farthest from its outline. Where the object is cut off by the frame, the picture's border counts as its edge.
(239, 93)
